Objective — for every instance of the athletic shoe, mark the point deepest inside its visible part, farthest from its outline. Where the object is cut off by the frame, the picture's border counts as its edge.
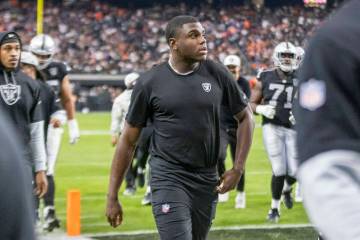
(273, 215)
(298, 196)
(240, 200)
(288, 200)
(147, 199)
(129, 191)
(223, 197)
(50, 220)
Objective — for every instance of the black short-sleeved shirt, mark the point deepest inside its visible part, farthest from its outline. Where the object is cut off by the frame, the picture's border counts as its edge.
(279, 92)
(227, 118)
(185, 110)
(50, 103)
(54, 74)
(21, 101)
(328, 114)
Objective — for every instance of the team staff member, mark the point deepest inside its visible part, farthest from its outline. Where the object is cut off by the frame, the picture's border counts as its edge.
(183, 97)
(20, 100)
(328, 123)
(228, 130)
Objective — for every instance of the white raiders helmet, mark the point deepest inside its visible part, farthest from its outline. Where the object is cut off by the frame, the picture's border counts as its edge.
(130, 79)
(43, 45)
(284, 56)
(300, 54)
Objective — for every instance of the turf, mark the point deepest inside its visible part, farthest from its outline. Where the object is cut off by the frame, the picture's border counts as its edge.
(86, 165)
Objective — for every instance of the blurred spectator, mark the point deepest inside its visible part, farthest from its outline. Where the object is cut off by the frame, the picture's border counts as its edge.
(94, 36)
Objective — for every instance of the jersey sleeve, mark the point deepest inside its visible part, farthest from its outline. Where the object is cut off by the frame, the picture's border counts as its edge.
(63, 70)
(36, 114)
(139, 109)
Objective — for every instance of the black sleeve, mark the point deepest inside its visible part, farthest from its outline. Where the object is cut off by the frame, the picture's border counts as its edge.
(36, 114)
(233, 96)
(245, 87)
(54, 101)
(139, 109)
(63, 70)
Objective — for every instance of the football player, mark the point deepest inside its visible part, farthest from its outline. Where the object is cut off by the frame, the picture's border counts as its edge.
(272, 98)
(56, 75)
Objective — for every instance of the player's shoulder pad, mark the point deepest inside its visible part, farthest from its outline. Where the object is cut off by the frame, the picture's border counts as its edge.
(262, 71)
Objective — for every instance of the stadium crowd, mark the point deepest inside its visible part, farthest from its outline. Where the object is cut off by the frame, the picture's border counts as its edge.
(99, 37)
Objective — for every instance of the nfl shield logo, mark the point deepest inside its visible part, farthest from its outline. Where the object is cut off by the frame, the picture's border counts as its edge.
(10, 93)
(53, 71)
(312, 94)
(165, 208)
(206, 87)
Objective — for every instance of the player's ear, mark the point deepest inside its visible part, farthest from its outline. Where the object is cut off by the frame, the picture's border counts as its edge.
(173, 43)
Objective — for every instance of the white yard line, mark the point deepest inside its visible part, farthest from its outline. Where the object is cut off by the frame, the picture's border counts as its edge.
(244, 227)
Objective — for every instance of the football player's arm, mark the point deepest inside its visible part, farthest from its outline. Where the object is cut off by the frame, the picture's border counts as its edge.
(244, 135)
(116, 115)
(255, 102)
(37, 147)
(67, 101)
(121, 162)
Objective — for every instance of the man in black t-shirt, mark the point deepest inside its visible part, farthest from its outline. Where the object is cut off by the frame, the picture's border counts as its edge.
(228, 131)
(272, 97)
(328, 125)
(183, 98)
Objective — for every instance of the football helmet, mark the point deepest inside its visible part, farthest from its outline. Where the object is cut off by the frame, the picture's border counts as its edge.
(284, 56)
(29, 58)
(300, 53)
(130, 79)
(43, 46)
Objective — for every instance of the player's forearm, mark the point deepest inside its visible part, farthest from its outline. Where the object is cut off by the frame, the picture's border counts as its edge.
(121, 161)
(69, 106)
(244, 137)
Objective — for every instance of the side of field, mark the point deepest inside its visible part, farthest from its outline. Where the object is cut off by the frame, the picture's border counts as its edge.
(85, 166)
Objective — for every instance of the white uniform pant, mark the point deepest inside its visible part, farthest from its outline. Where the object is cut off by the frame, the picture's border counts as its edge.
(280, 145)
(330, 184)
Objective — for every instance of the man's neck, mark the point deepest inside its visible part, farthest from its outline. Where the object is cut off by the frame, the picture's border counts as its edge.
(182, 67)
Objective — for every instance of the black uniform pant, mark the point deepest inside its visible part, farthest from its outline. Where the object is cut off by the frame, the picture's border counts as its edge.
(183, 204)
(228, 137)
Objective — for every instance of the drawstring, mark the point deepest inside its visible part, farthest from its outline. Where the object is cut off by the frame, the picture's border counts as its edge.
(7, 79)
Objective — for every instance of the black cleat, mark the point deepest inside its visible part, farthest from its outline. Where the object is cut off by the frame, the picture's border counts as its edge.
(288, 199)
(141, 177)
(50, 221)
(273, 215)
(147, 199)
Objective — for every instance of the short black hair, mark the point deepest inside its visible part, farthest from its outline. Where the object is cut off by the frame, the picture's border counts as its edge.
(175, 23)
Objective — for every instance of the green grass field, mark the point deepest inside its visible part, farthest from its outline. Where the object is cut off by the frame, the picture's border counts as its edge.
(85, 166)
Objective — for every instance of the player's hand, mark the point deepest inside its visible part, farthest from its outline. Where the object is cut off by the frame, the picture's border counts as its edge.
(229, 180)
(114, 140)
(74, 133)
(41, 184)
(292, 118)
(266, 110)
(114, 212)
(56, 123)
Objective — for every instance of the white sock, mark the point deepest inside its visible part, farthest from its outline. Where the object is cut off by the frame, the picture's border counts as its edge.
(275, 204)
(286, 187)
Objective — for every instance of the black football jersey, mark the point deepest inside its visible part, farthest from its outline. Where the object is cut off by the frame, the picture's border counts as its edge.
(54, 74)
(278, 91)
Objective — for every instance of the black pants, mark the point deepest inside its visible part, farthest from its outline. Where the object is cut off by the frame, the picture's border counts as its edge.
(228, 137)
(183, 203)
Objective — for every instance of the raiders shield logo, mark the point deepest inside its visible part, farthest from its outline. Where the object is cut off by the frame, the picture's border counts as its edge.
(206, 87)
(53, 71)
(10, 93)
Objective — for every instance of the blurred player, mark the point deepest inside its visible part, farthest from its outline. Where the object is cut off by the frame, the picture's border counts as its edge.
(50, 105)
(228, 131)
(118, 114)
(272, 98)
(183, 97)
(328, 124)
(20, 100)
(56, 75)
